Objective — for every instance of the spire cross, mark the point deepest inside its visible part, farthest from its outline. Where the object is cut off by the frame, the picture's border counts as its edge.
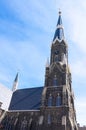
(60, 11)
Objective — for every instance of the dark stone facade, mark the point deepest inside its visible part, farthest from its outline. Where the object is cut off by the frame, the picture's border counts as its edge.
(34, 120)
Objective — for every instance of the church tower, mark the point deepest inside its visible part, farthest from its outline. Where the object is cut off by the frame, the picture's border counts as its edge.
(58, 97)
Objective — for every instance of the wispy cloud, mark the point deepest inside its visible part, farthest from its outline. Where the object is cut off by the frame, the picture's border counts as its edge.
(80, 109)
(78, 68)
(21, 56)
(26, 32)
(76, 17)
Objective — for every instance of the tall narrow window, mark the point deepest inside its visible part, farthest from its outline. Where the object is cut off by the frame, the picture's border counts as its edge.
(58, 100)
(50, 101)
(55, 81)
(49, 119)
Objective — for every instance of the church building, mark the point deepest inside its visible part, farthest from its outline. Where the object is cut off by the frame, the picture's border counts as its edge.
(50, 107)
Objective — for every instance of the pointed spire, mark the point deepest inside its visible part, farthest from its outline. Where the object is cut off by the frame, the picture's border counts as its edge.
(47, 63)
(16, 78)
(59, 33)
(15, 83)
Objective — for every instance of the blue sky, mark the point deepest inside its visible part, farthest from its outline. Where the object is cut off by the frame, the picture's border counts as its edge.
(26, 31)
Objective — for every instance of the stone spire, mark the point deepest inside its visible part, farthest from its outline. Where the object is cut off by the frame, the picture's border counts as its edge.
(47, 63)
(59, 33)
(15, 83)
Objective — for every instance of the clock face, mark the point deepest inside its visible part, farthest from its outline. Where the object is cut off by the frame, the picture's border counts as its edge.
(56, 52)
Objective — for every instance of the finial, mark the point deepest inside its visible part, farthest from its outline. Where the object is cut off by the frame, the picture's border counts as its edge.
(58, 94)
(47, 63)
(55, 76)
(60, 12)
(50, 94)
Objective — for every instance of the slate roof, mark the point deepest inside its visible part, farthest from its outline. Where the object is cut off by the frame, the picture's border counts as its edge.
(59, 33)
(26, 99)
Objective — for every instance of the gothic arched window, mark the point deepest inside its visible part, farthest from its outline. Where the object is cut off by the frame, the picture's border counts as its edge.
(58, 100)
(50, 101)
(49, 119)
